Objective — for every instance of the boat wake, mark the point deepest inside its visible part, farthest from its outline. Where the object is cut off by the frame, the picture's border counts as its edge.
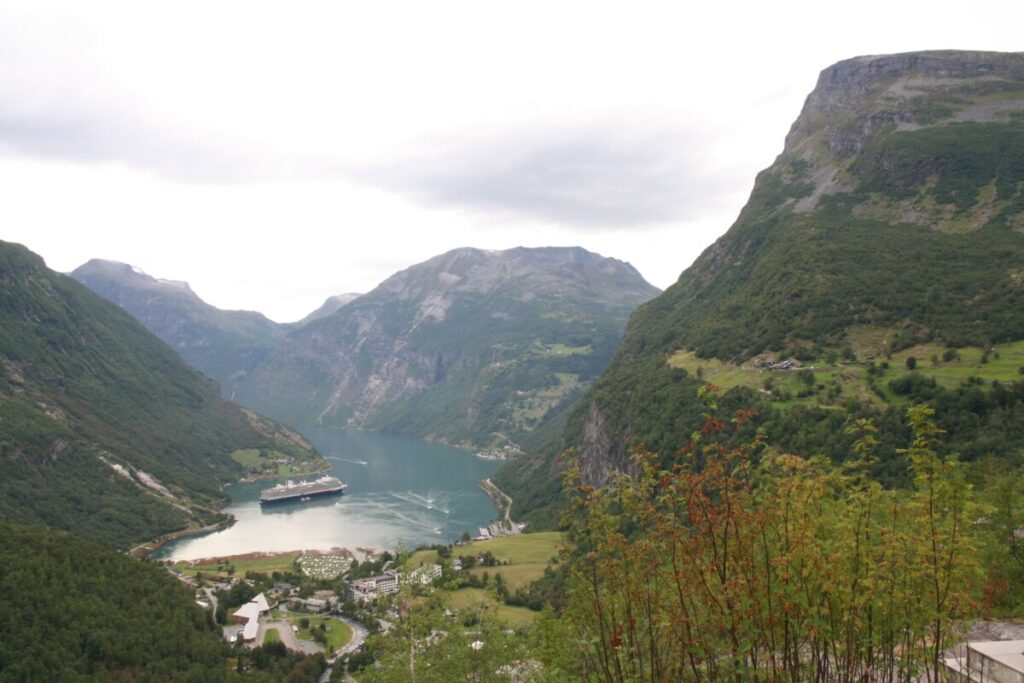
(355, 462)
(427, 502)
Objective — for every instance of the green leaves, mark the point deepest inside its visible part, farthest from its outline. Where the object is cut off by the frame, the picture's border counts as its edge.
(789, 567)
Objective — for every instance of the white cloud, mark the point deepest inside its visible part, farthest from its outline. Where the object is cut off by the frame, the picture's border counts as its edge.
(272, 155)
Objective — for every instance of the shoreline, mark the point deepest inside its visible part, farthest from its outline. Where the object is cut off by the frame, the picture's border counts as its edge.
(359, 553)
(144, 550)
(147, 548)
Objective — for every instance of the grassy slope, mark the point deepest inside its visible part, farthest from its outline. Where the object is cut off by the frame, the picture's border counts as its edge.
(478, 601)
(851, 379)
(527, 555)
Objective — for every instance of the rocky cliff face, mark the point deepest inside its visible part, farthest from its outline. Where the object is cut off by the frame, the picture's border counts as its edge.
(896, 209)
(222, 344)
(472, 347)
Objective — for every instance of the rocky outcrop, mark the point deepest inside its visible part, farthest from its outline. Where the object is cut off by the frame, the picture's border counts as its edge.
(865, 94)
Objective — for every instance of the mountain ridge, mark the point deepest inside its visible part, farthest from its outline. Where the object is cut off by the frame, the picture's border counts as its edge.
(455, 331)
(894, 213)
(222, 344)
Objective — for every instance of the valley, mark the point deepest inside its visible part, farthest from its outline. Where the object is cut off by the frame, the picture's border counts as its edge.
(399, 490)
(802, 461)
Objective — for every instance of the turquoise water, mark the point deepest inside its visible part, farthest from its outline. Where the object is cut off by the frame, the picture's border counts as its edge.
(398, 489)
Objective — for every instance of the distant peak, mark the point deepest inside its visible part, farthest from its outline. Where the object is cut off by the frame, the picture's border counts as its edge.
(126, 274)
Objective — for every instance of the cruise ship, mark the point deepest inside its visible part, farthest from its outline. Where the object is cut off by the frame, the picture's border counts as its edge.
(303, 490)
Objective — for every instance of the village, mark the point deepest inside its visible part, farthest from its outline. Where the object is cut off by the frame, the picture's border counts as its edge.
(330, 602)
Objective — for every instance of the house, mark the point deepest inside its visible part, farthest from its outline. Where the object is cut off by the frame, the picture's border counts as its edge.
(249, 614)
(999, 661)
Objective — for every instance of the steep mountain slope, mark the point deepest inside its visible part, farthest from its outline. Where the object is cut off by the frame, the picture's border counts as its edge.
(222, 344)
(471, 347)
(890, 227)
(331, 305)
(105, 431)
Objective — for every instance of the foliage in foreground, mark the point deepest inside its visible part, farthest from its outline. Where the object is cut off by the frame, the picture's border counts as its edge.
(737, 563)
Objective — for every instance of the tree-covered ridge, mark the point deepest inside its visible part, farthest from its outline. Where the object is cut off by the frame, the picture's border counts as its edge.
(75, 611)
(106, 432)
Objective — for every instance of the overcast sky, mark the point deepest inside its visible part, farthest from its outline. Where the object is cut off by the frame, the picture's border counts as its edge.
(272, 154)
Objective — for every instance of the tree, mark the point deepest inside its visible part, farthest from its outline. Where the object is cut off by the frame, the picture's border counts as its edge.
(911, 362)
(738, 563)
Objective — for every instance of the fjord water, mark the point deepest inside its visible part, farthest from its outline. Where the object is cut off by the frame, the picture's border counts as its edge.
(398, 489)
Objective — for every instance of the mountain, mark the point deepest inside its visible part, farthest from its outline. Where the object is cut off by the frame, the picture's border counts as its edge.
(472, 347)
(331, 305)
(106, 431)
(223, 345)
(879, 260)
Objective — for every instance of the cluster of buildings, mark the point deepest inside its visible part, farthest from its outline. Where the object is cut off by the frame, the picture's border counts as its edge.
(498, 529)
(372, 587)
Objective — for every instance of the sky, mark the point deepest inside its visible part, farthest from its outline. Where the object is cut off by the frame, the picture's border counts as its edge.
(274, 154)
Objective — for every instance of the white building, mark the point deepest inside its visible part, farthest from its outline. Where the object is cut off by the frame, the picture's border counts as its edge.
(249, 614)
(373, 587)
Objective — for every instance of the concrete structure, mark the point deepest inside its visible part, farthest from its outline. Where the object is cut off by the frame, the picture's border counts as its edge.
(999, 661)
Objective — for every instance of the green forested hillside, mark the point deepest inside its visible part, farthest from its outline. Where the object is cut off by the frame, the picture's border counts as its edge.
(77, 611)
(891, 226)
(105, 431)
